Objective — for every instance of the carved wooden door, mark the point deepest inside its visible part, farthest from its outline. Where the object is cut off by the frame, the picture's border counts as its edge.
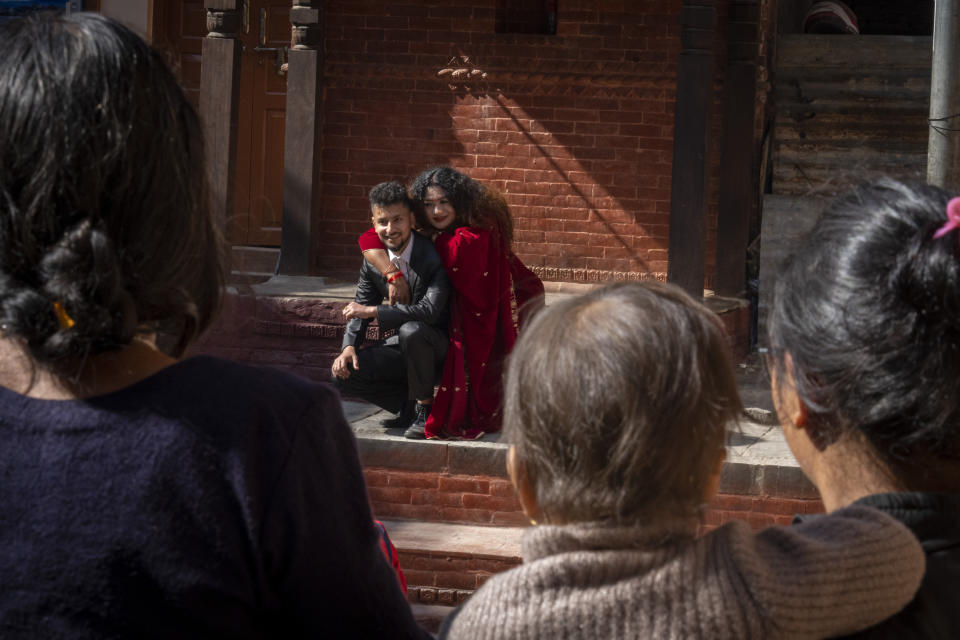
(261, 111)
(261, 118)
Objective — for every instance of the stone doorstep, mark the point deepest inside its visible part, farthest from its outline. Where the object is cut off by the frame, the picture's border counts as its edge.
(452, 559)
(430, 616)
(469, 541)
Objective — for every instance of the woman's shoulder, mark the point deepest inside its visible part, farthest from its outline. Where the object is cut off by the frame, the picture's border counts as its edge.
(228, 376)
(466, 234)
(834, 561)
(224, 398)
(474, 242)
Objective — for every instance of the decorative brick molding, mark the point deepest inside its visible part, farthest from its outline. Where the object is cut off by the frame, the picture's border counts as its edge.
(433, 595)
(595, 275)
(445, 579)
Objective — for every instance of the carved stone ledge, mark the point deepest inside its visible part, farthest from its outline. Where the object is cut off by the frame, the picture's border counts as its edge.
(223, 24)
(306, 37)
(306, 31)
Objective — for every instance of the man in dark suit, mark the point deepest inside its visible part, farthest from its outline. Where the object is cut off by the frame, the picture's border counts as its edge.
(397, 374)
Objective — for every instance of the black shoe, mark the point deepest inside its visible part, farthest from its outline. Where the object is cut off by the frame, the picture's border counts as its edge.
(401, 420)
(416, 430)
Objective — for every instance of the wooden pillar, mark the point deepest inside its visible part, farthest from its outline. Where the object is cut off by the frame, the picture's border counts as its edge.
(691, 128)
(943, 150)
(301, 155)
(219, 95)
(737, 190)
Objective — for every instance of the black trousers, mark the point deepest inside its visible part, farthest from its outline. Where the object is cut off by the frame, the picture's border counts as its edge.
(403, 367)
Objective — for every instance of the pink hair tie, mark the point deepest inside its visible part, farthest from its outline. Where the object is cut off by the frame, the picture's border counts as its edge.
(953, 219)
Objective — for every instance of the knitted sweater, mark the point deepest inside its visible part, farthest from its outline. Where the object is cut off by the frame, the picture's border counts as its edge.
(836, 574)
(210, 500)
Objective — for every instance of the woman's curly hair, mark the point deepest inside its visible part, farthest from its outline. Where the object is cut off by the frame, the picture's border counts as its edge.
(474, 205)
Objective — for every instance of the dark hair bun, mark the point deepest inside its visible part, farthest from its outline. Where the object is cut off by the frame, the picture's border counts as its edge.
(869, 309)
(103, 198)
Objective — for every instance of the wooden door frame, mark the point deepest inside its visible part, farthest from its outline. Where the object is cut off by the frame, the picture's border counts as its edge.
(156, 15)
(156, 18)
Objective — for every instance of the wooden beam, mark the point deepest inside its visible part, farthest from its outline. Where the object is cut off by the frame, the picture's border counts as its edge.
(302, 140)
(688, 187)
(219, 97)
(738, 192)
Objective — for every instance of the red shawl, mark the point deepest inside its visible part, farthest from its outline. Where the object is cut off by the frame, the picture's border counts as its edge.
(493, 295)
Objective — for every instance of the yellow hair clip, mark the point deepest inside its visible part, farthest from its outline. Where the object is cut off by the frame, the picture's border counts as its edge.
(65, 320)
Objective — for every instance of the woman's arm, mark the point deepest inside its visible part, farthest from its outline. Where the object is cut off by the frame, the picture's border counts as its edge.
(321, 550)
(376, 254)
(528, 289)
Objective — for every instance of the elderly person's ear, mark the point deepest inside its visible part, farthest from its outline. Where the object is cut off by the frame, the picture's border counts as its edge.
(713, 482)
(517, 471)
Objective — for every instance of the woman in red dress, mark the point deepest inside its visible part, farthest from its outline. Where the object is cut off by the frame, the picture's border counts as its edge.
(494, 293)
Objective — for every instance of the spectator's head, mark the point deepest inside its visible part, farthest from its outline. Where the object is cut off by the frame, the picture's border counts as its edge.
(617, 404)
(105, 228)
(392, 218)
(865, 340)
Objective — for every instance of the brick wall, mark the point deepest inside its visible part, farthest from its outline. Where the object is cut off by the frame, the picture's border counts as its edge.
(757, 511)
(470, 499)
(575, 128)
(436, 497)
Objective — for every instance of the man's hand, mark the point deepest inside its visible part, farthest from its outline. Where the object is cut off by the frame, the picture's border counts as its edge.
(356, 310)
(399, 291)
(347, 357)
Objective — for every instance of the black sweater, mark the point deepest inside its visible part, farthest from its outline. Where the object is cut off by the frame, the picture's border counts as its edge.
(210, 500)
(935, 611)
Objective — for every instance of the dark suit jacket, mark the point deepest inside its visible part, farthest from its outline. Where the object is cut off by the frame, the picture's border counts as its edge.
(429, 293)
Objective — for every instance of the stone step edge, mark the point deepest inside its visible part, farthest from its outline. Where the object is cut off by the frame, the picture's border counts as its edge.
(431, 616)
(458, 540)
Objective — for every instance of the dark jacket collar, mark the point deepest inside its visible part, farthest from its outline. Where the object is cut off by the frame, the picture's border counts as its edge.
(933, 517)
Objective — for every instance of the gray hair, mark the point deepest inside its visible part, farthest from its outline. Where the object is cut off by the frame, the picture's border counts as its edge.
(617, 403)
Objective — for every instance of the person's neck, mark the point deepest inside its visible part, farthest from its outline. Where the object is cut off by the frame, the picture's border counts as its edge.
(849, 470)
(101, 374)
(404, 246)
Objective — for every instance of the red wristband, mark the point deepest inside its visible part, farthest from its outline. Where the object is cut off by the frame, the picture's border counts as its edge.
(397, 274)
